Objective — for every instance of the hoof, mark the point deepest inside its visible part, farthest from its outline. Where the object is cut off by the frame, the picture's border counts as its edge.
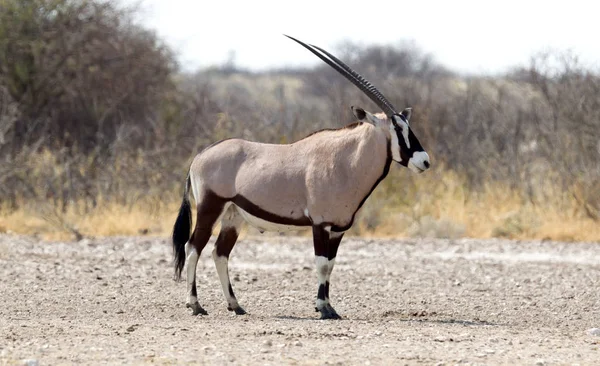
(238, 311)
(196, 309)
(328, 312)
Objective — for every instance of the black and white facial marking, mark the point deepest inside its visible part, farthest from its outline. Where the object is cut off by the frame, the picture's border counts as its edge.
(406, 148)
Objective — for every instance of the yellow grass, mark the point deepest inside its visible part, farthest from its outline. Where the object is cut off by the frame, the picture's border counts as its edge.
(447, 208)
(437, 205)
(107, 220)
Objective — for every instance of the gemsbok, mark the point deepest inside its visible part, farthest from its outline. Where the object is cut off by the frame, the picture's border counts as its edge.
(319, 182)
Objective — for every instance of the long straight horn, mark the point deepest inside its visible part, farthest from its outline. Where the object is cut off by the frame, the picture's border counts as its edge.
(363, 84)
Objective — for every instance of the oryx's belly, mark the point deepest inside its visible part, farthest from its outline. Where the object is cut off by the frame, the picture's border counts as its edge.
(264, 225)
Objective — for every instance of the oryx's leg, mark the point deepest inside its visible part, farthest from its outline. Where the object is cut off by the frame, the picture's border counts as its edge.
(334, 243)
(231, 224)
(326, 244)
(209, 208)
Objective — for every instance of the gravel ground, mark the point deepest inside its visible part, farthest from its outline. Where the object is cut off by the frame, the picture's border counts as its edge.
(418, 301)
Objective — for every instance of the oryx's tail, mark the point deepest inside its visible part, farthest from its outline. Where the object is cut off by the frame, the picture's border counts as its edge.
(181, 230)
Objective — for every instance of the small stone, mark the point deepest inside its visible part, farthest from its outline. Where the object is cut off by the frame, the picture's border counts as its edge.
(594, 331)
(298, 344)
(208, 349)
(490, 351)
(31, 362)
(264, 350)
(440, 339)
(268, 343)
(540, 362)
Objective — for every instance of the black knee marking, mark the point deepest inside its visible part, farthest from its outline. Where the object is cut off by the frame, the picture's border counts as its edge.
(322, 294)
(333, 245)
(320, 241)
(325, 244)
(194, 292)
(327, 290)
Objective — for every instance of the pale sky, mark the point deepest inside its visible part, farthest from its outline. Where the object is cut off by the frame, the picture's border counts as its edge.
(466, 36)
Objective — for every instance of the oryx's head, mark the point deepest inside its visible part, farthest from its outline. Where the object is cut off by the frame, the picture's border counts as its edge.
(406, 148)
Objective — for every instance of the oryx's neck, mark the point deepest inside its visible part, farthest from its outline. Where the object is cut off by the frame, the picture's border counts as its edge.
(347, 167)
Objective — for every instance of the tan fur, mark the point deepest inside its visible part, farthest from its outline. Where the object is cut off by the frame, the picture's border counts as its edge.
(328, 173)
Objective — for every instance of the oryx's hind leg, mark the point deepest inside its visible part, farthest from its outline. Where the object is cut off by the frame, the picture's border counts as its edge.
(209, 208)
(326, 245)
(231, 224)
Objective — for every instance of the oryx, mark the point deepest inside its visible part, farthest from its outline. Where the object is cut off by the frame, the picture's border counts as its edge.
(320, 182)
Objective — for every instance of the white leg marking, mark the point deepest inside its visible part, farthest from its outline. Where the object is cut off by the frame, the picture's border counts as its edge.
(221, 263)
(322, 264)
(192, 261)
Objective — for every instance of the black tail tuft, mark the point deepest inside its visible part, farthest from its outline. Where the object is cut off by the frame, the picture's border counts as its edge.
(181, 231)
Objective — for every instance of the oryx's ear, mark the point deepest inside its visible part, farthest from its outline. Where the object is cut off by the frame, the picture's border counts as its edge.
(365, 116)
(407, 112)
(359, 113)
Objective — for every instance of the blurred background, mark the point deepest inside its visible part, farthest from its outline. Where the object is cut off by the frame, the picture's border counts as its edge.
(103, 104)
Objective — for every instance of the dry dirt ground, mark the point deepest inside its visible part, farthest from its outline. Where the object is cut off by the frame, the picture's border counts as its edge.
(425, 301)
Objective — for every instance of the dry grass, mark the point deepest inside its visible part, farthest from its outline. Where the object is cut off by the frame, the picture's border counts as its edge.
(431, 205)
(440, 205)
(107, 220)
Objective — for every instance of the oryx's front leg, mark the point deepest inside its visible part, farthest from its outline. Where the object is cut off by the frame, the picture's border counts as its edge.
(231, 224)
(326, 245)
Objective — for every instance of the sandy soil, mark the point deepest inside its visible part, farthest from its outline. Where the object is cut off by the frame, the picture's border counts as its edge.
(422, 301)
